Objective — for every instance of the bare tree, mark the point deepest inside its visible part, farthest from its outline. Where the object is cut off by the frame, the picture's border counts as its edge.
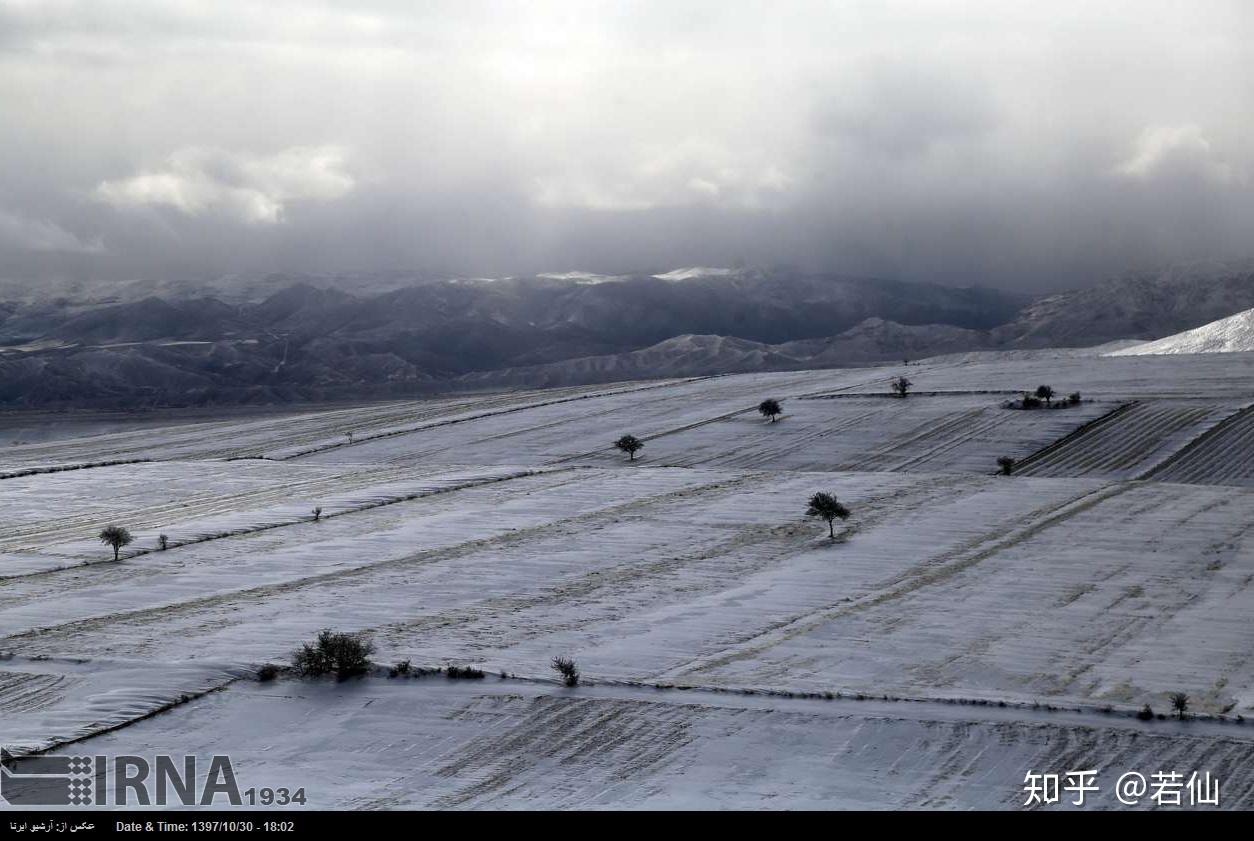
(770, 408)
(1180, 703)
(630, 445)
(827, 507)
(317, 514)
(901, 386)
(117, 537)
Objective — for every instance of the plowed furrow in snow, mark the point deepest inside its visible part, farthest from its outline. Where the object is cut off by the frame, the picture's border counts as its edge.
(187, 508)
(982, 424)
(1135, 438)
(22, 692)
(770, 449)
(932, 572)
(539, 400)
(324, 587)
(635, 586)
(1225, 455)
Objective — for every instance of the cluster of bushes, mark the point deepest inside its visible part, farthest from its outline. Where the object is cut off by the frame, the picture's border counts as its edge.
(1043, 397)
(333, 652)
(463, 673)
(1179, 705)
(346, 655)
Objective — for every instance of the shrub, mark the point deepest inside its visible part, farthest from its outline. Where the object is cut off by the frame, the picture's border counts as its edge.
(901, 386)
(333, 652)
(1030, 402)
(404, 667)
(268, 672)
(1146, 713)
(566, 667)
(1074, 398)
(317, 514)
(1007, 465)
(163, 542)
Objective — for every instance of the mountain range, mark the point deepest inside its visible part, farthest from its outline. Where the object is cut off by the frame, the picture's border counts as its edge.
(285, 339)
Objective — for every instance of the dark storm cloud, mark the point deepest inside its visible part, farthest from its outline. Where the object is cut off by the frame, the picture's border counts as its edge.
(1029, 145)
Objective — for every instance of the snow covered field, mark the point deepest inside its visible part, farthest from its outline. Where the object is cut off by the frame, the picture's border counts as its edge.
(963, 629)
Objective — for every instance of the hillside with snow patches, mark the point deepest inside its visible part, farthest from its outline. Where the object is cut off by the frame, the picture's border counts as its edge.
(1234, 334)
(962, 629)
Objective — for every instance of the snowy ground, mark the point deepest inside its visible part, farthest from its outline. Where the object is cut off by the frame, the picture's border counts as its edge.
(1025, 617)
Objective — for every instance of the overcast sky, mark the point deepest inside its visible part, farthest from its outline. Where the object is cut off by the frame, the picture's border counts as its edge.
(1025, 145)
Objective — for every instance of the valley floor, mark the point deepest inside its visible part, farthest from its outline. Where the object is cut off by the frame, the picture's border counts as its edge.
(963, 629)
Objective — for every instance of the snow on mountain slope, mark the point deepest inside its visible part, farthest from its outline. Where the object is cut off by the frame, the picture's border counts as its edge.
(1233, 334)
(694, 271)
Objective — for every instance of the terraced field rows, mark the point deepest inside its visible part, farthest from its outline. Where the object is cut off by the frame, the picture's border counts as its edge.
(925, 434)
(1224, 456)
(289, 434)
(503, 530)
(510, 745)
(1130, 444)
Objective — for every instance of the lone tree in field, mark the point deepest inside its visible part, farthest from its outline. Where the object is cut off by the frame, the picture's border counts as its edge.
(566, 667)
(630, 445)
(770, 408)
(1180, 703)
(1045, 393)
(901, 386)
(117, 537)
(826, 505)
(1007, 465)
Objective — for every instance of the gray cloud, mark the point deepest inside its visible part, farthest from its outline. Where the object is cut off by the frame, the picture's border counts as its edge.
(1012, 144)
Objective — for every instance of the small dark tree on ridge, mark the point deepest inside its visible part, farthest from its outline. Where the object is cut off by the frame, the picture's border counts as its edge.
(116, 537)
(901, 386)
(770, 408)
(1045, 393)
(630, 445)
(1007, 465)
(1180, 703)
(566, 667)
(827, 507)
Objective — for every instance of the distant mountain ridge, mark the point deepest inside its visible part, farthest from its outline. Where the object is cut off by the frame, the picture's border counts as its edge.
(396, 335)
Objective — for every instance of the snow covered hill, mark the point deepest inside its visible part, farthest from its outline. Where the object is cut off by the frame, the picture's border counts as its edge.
(1234, 334)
